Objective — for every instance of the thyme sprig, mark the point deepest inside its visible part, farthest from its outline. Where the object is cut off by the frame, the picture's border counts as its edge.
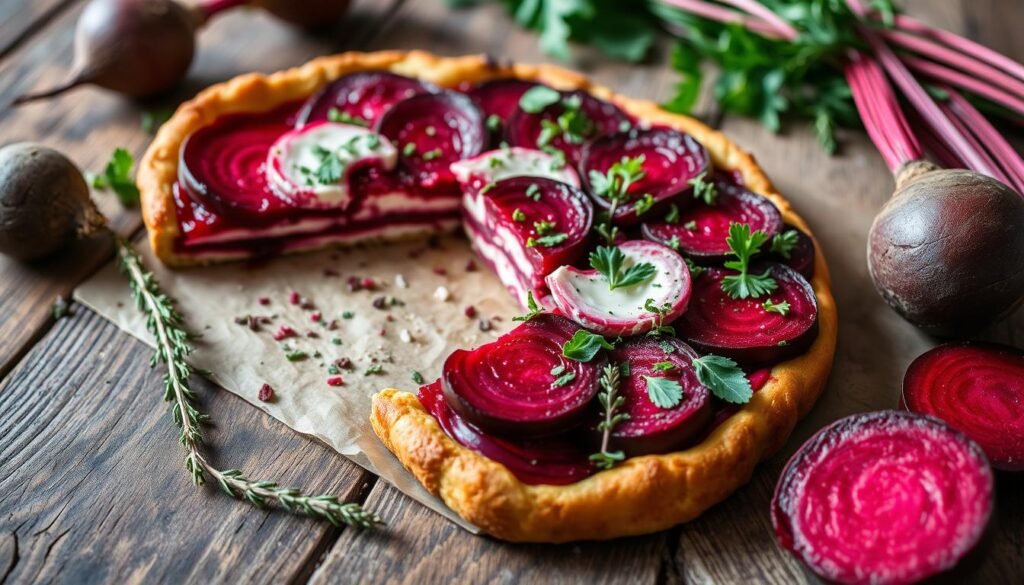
(611, 401)
(173, 346)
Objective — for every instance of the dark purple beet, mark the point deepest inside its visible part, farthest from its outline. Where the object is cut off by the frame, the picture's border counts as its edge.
(801, 256)
(507, 386)
(551, 460)
(701, 230)
(366, 95)
(595, 118)
(499, 98)
(221, 166)
(650, 428)
(886, 498)
(741, 328)
(441, 128)
(671, 160)
(978, 388)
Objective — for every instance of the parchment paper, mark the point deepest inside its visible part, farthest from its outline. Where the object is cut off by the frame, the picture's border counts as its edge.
(420, 327)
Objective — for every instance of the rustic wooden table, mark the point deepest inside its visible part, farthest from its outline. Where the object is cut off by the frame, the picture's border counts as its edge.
(91, 485)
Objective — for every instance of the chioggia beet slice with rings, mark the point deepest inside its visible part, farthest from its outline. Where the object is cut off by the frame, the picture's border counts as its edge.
(361, 98)
(886, 498)
(551, 460)
(699, 232)
(654, 428)
(520, 385)
(431, 131)
(492, 166)
(525, 228)
(566, 124)
(221, 166)
(499, 99)
(310, 166)
(753, 331)
(977, 388)
(587, 296)
(795, 249)
(667, 161)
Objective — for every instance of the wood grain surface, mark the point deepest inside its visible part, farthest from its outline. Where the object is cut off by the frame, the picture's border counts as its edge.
(92, 487)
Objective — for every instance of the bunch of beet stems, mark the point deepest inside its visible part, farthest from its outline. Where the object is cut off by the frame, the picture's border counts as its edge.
(949, 129)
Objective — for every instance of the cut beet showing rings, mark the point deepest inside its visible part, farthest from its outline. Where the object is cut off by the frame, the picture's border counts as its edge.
(566, 125)
(499, 99)
(800, 256)
(221, 166)
(361, 98)
(885, 498)
(700, 231)
(670, 160)
(431, 131)
(474, 174)
(745, 329)
(977, 388)
(525, 228)
(586, 296)
(521, 384)
(652, 428)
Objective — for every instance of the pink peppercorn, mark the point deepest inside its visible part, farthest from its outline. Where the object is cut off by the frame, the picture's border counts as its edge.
(369, 283)
(335, 381)
(470, 266)
(470, 311)
(264, 301)
(316, 317)
(440, 271)
(266, 393)
(294, 298)
(285, 332)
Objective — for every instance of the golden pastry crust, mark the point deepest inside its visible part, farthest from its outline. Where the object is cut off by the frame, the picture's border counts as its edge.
(641, 495)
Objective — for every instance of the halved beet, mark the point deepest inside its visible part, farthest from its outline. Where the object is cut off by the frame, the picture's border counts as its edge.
(801, 256)
(534, 224)
(552, 460)
(366, 96)
(520, 384)
(651, 428)
(884, 498)
(492, 166)
(670, 160)
(743, 329)
(595, 117)
(221, 166)
(977, 388)
(584, 295)
(431, 131)
(700, 231)
(499, 97)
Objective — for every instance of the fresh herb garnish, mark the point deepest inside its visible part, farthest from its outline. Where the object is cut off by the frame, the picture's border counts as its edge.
(584, 345)
(659, 323)
(703, 189)
(432, 154)
(537, 98)
(548, 241)
(532, 306)
(611, 401)
(543, 227)
(153, 119)
(518, 215)
(724, 378)
(409, 149)
(609, 260)
(780, 308)
(296, 355)
(117, 176)
(330, 167)
(613, 185)
(783, 244)
(695, 269)
(533, 192)
(562, 375)
(493, 122)
(643, 204)
(672, 217)
(664, 393)
(743, 244)
(417, 377)
(690, 226)
(663, 366)
(336, 115)
(374, 370)
(572, 125)
(674, 243)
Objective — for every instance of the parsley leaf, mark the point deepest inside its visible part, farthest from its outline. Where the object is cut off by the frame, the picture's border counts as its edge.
(117, 176)
(584, 345)
(643, 204)
(548, 241)
(661, 312)
(664, 393)
(336, 115)
(608, 260)
(615, 183)
(783, 244)
(743, 244)
(724, 378)
(780, 308)
(538, 98)
(532, 306)
(330, 168)
(703, 189)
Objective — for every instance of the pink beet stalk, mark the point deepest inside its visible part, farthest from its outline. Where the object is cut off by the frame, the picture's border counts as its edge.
(884, 120)
(975, 82)
(721, 14)
(993, 141)
(967, 46)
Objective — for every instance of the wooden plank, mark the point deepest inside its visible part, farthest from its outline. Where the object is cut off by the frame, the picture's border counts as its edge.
(20, 19)
(92, 486)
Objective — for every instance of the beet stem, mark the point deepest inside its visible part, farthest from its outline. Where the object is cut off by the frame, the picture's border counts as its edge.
(722, 14)
(755, 8)
(975, 82)
(996, 144)
(70, 84)
(210, 8)
(971, 135)
(967, 46)
(884, 120)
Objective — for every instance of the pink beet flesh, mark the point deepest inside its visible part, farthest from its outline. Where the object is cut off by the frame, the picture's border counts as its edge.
(977, 389)
(702, 229)
(886, 497)
(499, 97)
(650, 428)
(508, 386)
(366, 95)
(741, 328)
(524, 129)
(670, 160)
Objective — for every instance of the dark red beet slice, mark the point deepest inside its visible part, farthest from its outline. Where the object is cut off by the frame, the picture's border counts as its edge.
(741, 328)
(671, 160)
(365, 95)
(702, 229)
(431, 131)
(601, 117)
(885, 497)
(801, 256)
(221, 166)
(650, 428)
(507, 386)
(499, 97)
(551, 460)
(977, 388)
(510, 218)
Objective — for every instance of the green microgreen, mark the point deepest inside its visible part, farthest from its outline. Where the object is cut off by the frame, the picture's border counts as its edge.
(532, 307)
(744, 244)
(783, 244)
